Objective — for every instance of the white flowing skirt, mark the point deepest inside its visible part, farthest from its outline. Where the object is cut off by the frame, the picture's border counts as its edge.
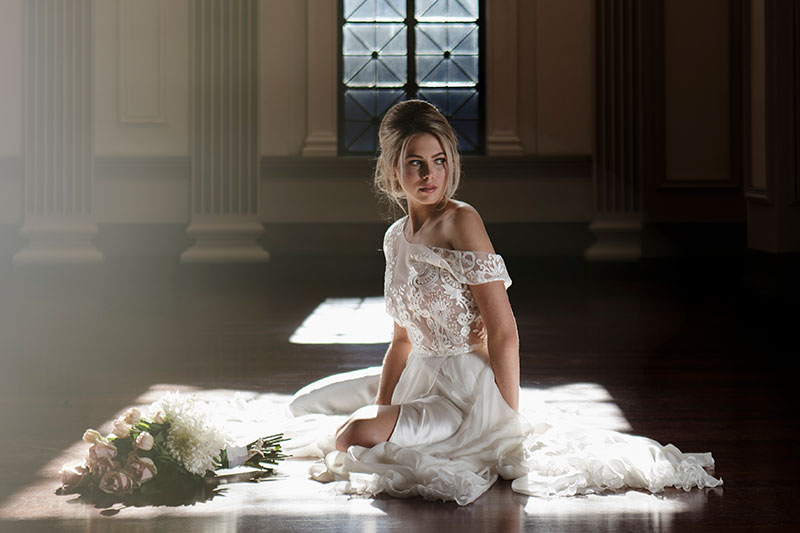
(455, 435)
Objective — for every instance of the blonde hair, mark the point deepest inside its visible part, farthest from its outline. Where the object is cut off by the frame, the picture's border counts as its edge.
(399, 126)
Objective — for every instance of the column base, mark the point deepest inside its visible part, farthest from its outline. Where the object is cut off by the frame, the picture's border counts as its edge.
(321, 145)
(225, 242)
(57, 241)
(617, 240)
(504, 144)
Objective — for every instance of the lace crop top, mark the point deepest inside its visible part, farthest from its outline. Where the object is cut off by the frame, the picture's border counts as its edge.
(427, 292)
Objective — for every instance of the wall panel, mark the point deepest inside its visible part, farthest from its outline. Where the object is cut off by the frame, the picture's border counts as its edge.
(141, 61)
(282, 76)
(697, 91)
(564, 89)
(142, 77)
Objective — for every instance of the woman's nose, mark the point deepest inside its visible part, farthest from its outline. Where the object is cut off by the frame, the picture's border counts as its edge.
(424, 171)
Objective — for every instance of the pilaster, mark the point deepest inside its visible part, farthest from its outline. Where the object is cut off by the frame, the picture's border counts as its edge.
(629, 118)
(321, 61)
(224, 148)
(58, 133)
(502, 136)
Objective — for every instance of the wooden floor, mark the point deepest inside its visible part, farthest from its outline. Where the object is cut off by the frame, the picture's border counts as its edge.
(695, 356)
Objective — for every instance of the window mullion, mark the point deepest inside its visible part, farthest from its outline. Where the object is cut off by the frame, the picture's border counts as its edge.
(411, 43)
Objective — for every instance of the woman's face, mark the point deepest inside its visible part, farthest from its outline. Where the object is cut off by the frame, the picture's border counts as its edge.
(423, 172)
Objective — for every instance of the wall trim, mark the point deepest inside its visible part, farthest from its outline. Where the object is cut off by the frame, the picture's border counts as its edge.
(114, 167)
(699, 185)
(567, 166)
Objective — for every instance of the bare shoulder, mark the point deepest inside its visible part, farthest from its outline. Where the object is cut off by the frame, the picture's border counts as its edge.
(464, 229)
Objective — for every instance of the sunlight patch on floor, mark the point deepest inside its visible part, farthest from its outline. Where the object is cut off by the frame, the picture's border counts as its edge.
(660, 506)
(587, 404)
(346, 321)
(292, 492)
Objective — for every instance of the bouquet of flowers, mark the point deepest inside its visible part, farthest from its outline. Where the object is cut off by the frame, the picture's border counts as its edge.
(174, 450)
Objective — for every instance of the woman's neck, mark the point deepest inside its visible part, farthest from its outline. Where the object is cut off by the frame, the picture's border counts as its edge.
(425, 216)
(419, 215)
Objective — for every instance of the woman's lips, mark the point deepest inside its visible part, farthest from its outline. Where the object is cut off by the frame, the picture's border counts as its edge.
(430, 188)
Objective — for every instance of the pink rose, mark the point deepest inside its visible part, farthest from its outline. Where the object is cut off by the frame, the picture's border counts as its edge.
(98, 466)
(116, 482)
(102, 449)
(132, 416)
(91, 436)
(73, 476)
(160, 417)
(121, 428)
(141, 469)
(144, 441)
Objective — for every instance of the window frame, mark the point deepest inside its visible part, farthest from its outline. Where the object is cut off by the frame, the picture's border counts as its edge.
(411, 89)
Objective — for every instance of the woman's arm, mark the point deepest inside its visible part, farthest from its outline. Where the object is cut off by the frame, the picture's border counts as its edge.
(465, 231)
(502, 338)
(393, 364)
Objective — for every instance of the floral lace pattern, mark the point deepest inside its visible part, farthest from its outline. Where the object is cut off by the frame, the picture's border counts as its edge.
(427, 292)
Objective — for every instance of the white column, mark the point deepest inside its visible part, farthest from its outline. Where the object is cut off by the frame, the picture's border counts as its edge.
(321, 61)
(224, 151)
(502, 67)
(58, 133)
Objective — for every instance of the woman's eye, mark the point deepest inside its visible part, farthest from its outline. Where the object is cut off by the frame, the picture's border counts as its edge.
(441, 161)
(415, 163)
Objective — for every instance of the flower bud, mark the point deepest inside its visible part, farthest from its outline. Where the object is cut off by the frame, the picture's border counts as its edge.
(160, 417)
(121, 428)
(132, 416)
(144, 441)
(91, 436)
(102, 449)
(116, 482)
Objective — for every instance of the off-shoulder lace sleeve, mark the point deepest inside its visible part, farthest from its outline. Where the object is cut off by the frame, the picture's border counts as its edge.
(389, 239)
(471, 268)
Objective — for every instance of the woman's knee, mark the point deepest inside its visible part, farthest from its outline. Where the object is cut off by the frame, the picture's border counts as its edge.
(353, 432)
(367, 428)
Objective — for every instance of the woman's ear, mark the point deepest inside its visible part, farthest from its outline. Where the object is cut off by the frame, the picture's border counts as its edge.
(396, 181)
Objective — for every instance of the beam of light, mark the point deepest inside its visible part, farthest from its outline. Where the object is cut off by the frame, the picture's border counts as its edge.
(346, 321)
(293, 493)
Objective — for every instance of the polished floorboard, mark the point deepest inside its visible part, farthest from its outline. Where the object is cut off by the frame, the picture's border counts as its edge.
(701, 358)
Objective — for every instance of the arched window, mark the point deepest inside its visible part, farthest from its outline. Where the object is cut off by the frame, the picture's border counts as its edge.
(392, 50)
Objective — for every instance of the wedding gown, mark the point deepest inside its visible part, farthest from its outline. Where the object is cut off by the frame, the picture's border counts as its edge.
(455, 434)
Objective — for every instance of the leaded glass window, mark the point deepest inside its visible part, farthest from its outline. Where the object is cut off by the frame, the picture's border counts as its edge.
(393, 50)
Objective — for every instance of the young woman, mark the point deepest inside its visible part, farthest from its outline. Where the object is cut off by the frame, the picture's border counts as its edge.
(456, 326)
(445, 423)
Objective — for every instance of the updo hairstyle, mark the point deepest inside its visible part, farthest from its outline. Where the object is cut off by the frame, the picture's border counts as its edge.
(399, 126)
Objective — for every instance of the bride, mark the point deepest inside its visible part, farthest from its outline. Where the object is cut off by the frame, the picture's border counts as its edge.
(445, 422)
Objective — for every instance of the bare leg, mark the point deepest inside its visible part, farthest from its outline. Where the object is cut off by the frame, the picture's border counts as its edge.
(367, 427)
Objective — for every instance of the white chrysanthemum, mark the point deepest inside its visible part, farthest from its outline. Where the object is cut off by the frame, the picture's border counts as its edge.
(192, 439)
